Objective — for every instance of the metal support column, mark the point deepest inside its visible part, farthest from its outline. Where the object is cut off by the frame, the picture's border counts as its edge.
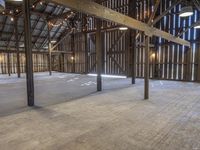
(28, 50)
(17, 48)
(146, 76)
(99, 56)
(49, 50)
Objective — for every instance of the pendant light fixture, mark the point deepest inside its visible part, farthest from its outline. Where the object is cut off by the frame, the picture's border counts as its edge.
(186, 11)
(123, 28)
(197, 25)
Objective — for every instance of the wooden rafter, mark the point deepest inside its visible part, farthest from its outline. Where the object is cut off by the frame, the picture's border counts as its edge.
(43, 26)
(63, 37)
(176, 2)
(150, 23)
(37, 23)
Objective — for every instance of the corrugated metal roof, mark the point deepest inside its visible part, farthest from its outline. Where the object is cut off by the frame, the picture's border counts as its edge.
(39, 14)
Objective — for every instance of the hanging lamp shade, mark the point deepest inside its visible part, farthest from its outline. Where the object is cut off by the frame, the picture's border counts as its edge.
(2, 5)
(123, 28)
(186, 11)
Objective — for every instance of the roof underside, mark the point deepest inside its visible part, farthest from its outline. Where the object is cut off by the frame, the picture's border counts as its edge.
(40, 14)
(62, 18)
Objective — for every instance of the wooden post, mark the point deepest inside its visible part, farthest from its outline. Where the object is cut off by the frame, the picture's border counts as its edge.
(86, 43)
(133, 14)
(73, 53)
(8, 63)
(189, 64)
(146, 87)
(49, 50)
(156, 72)
(28, 49)
(86, 53)
(62, 62)
(134, 57)
(198, 56)
(17, 48)
(99, 55)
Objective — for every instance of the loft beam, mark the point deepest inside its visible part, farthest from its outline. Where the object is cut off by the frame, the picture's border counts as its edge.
(3, 50)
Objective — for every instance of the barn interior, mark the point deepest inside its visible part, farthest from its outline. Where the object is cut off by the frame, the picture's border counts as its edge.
(100, 74)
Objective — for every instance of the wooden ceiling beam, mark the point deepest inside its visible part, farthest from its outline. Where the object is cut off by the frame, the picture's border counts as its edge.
(13, 50)
(105, 13)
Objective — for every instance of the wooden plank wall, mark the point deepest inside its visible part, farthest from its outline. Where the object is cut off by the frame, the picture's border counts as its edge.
(75, 58)
(168, 61)
(8, 63)
(79, 56)
(114, 44)
(143, 13)
(67, 61)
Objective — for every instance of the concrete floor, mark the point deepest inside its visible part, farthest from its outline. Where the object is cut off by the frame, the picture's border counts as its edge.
(115, 119)
(49, 90)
